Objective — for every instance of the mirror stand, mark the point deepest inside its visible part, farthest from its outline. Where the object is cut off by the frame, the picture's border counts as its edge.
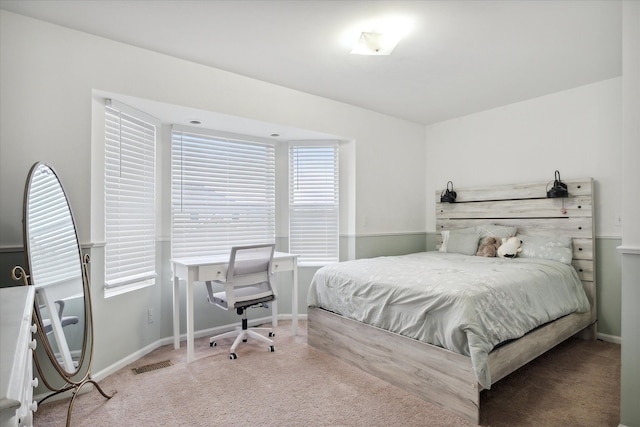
(59, 273)
(71, 384)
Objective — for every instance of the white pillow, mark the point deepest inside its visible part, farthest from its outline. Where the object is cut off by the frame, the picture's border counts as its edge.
(462, 243)
(445, 236)
(547, 247)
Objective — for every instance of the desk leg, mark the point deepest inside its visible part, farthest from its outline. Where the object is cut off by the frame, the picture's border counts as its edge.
(176, 311)
(294, 298)
(190, 329)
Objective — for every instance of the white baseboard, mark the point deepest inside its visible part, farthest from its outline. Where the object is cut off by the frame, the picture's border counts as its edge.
(609, 338)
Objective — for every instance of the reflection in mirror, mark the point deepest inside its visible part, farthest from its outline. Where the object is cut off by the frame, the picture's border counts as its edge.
(55, 266)
(58, 271)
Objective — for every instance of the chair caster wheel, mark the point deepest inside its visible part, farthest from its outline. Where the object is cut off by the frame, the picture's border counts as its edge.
(244, 340)
(272, 334)
(213, 344)
(271, 349)
(233, 356)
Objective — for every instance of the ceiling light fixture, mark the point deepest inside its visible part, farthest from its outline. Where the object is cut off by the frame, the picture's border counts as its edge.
(373, 43)
(377, 36)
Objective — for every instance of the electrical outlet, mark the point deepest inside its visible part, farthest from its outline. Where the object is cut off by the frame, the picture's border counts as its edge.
(150, 315)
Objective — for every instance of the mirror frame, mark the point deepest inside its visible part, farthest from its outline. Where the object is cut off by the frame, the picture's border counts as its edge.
(73, 381)
(87, 324)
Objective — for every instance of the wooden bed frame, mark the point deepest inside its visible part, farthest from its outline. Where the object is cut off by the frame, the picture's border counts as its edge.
(441, 376)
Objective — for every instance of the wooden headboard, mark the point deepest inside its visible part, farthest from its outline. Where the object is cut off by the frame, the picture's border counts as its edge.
(526, 207)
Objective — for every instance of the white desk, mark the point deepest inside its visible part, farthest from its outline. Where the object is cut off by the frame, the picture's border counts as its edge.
(201, 269)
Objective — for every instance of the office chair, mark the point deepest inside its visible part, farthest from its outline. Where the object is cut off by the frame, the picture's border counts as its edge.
(248, 284)
(64, 320)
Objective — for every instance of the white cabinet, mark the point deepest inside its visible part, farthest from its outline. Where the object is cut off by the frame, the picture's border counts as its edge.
(16, 362)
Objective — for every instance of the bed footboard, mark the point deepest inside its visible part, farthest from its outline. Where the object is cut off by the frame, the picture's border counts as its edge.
(429, 372)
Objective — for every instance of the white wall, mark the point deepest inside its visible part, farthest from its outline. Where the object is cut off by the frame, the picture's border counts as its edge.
(47, 76)
(48, 73)
(577, 131)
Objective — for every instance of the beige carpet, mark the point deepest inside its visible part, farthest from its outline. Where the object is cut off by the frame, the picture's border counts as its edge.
(575, 384)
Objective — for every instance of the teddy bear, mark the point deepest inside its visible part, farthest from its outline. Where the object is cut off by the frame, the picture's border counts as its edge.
(489, 246)
(510, 247)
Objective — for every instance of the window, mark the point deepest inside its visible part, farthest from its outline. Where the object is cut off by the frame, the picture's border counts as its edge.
(222, 192)
(313, 202)
(130, 159)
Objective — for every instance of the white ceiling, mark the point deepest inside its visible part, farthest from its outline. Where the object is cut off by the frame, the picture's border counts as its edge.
(459, 57)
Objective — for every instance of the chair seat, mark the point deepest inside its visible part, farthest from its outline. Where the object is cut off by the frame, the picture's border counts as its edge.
(245, 296)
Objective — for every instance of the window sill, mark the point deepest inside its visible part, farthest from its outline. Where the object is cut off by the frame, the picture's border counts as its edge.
(112, 292)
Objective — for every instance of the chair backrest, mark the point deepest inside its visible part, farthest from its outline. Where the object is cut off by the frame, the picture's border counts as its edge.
(250, 264)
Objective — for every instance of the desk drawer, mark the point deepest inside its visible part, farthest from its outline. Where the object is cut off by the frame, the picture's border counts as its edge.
(282, 265)
(212, 272)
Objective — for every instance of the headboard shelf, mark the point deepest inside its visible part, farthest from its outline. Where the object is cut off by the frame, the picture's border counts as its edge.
(535, 190)
(574, 206)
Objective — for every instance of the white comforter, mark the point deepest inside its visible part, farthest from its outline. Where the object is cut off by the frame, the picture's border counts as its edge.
(467, 304)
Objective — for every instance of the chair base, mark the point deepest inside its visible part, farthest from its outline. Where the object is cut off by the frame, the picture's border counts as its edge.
(243, 335)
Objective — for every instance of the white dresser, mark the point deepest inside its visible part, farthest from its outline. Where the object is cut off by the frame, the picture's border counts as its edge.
(16, 363)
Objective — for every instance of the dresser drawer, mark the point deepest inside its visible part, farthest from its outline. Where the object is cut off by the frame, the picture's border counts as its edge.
(16, 356)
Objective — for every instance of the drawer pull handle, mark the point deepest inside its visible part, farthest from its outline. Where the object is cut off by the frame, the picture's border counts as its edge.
(34, 383)
(34, 328)
(33, 344)
(34, 406)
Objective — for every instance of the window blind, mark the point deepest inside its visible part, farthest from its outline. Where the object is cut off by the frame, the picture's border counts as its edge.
(130, 174)
(51, 225)
(222, 193)
(313, 203)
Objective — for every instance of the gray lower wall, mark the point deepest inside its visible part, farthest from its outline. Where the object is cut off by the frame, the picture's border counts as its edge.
(123, 319)
(8, 260)
(609, 284)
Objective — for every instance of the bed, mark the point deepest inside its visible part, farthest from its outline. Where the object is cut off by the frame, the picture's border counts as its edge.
(450, 362)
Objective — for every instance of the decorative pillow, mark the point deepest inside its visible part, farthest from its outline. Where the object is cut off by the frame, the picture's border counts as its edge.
(494, 230)
(462, 243)
(445, 236)
(547, 247)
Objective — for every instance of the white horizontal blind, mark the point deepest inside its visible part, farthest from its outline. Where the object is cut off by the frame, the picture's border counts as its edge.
(130, 174)
(313, 203)
(222, 193)
(53, 245)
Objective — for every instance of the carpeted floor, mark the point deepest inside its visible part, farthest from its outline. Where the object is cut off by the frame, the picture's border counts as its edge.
(575, 384)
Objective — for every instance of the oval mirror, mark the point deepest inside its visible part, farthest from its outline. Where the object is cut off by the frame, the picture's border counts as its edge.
(54, 262)
(58, 271)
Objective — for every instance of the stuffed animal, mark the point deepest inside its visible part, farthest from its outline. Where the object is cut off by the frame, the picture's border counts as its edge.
(489, 246)
(510, 247)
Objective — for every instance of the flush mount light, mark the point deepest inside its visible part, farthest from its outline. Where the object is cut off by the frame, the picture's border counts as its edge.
(373, 43)
(376, 36)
